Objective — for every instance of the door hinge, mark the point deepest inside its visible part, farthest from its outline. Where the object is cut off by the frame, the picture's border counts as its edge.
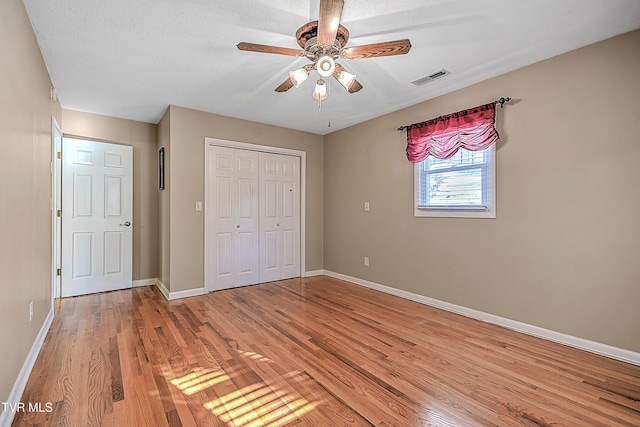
(59, 272)
(59, 154)
(59, 213)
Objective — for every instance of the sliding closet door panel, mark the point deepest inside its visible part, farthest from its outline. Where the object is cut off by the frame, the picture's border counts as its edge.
(270, 242)
(280, 217)
(220, 215)
(232, 218)
(290, 216)
(247, 218)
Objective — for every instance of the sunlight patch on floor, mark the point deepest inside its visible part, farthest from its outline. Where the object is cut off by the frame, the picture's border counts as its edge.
(259, 405)
(199, 380)
(254, 356)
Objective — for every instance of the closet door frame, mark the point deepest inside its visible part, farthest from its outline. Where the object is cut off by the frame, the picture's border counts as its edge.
(260, 148)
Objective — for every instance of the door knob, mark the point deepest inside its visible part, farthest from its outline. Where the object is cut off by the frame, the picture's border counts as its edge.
(126, 224)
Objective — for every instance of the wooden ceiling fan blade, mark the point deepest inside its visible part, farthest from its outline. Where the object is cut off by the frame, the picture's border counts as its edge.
(285, 86)
(263, 48)
(398, 47)
(329, 20)
(355, 87)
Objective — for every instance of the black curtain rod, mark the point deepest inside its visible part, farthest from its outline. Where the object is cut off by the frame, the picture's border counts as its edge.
(500, 101)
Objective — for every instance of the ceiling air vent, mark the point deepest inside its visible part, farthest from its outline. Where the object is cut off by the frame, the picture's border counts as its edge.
(431, 77)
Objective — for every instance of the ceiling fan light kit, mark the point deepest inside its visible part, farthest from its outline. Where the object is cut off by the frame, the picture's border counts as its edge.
(323, 43)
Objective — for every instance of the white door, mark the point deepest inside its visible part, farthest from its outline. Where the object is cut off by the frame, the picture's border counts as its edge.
(279, 217)
(232, 218)
(97, 198)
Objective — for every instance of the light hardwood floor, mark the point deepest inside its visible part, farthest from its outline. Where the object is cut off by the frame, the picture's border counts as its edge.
(310, 352)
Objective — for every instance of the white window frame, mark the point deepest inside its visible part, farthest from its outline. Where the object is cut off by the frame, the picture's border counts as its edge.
(460, 211)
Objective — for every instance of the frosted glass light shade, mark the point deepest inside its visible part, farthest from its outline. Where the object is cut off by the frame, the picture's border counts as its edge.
(320, 92)
(298, 76)
(346, 79)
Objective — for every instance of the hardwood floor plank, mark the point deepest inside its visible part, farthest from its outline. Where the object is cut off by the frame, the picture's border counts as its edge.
(310, 352)
(117, 390)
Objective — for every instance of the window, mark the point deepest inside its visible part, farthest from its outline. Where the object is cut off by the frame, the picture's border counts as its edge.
(454, 170)
(460, 186)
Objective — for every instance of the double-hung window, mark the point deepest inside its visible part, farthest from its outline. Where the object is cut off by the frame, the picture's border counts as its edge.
(461, 186)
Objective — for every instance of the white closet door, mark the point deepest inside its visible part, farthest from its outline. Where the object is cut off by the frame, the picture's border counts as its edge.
(279, 217)
(232, 218)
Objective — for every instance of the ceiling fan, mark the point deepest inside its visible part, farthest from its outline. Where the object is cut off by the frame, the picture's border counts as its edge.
(323, 42)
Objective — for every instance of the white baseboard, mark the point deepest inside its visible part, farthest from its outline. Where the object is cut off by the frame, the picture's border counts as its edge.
(163, 289)
(144, 282)
(581, 343)
(313, 273)
(170, 296)
(186, 294)
(6, 417)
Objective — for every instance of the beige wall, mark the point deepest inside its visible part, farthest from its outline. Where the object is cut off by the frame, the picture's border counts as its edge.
(164, 243)
(142, 137)
(25, 190)
(188, 128)
(564, 250)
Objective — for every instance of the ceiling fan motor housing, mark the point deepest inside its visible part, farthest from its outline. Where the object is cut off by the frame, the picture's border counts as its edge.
(314, 50)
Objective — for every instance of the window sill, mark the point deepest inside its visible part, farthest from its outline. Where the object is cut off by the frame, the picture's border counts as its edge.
(445, 212)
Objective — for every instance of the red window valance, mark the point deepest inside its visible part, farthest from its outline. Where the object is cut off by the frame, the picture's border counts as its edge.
(473, 129)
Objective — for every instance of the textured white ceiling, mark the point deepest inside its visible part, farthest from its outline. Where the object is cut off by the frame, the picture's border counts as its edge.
(131, 59)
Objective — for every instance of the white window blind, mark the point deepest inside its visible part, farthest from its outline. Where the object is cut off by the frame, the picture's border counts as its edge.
(462, 185)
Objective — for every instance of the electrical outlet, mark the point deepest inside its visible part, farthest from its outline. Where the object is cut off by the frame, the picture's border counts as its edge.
(31, 311)
(366, 261)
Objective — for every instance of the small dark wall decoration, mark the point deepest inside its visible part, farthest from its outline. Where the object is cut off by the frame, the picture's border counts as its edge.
(161, 168)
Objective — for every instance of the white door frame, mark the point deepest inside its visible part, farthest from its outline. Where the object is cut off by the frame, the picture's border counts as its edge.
(56, 189)
(266, 149)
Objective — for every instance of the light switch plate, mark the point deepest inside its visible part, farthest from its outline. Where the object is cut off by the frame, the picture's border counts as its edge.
(198, 205)
(366, 206)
